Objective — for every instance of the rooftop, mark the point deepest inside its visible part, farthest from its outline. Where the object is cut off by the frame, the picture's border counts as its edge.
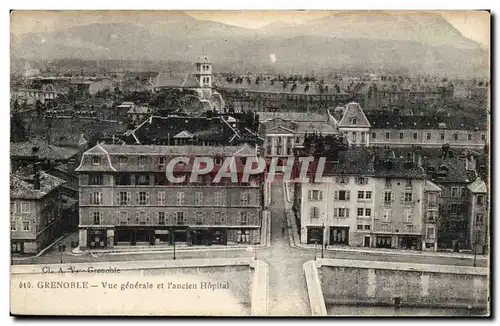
(390, 121)
(172, 79)
(45, 151)
(22, 188)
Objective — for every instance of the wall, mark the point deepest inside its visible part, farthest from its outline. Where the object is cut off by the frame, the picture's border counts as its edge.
(371, 282)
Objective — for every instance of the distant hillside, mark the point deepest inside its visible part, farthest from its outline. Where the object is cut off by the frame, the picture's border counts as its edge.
(424, 43)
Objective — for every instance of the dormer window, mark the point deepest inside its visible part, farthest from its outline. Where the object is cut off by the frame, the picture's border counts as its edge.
(218, 161)
(123, 160)
(96, 160)
(354, 121)
(142, 160)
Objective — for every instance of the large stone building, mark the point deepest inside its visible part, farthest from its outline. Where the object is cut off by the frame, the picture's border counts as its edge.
(126, 198)
(36, 212)
(426, 131)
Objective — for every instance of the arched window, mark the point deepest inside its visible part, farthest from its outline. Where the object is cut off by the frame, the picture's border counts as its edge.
(354, 121)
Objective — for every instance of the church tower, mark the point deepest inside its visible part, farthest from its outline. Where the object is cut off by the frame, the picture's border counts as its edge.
(204, 72)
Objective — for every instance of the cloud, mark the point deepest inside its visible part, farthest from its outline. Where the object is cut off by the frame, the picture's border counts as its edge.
(272, 56)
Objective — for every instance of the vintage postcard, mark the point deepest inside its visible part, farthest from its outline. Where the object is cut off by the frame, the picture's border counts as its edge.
(250, 163)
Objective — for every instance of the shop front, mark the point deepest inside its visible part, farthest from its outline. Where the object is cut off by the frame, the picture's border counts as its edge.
(314, 234)
(208, 236)
(384, 241)
(339, 236)
(97, 238)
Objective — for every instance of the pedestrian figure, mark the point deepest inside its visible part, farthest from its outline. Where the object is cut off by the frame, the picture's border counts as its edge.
(283, 231)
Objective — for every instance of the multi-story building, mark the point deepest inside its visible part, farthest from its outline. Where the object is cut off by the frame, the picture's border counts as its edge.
(36, 212)
(392, 130)
(282, 136)
(479, 216)
(126, 197)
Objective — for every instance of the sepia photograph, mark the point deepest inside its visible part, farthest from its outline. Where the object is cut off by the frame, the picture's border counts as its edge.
(245, 163)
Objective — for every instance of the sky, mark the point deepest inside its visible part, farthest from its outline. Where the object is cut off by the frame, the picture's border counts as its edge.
(472, 24)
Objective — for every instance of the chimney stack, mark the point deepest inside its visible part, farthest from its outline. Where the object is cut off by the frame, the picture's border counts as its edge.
(36, 172)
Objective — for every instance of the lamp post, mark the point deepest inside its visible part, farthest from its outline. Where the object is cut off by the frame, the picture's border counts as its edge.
(61, 249)
(173, 240)
(315, 245)
(323, 240)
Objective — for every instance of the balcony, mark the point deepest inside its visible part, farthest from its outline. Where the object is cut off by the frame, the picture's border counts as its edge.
(388, 202)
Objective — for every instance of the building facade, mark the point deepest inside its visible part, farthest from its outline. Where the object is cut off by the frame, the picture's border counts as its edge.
(126, 199)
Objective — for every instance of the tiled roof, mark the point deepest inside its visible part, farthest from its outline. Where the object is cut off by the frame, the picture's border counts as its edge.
(49, 152)
(265, 86)
(293, 116)
(354, 111)
(322, 127)
(391, 121)
(171, 79)
(478, 186)
(20, 188)
(244, 150)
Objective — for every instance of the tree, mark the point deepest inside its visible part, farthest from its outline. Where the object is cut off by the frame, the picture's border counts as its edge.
(18, 129)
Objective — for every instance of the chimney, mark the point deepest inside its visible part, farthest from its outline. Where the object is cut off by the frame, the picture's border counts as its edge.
(36, 172)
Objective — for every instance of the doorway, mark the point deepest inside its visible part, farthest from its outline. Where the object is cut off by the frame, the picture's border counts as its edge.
(367, 241)
(339, 235)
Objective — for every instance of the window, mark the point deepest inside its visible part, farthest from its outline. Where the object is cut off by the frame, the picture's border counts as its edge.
(343, 195)
(218, 161)
(142, 179)
(367, 226)
(360, 211)
(96, 160)
(361, 181)
(374, 135)
(480, 199)
(429, 136)
(410, 228)
(162, 198)
(26, 225)
(97, 218)
(180, 199)
(385, 228)
(368, 212)
(354, 136)
(161, 218)
(368, 195)
(388, 196)
(401, 135)
(408, 197)
(244, 199)
(218, 220)
(463, 192)
(387, 214)
(455, 137)
(388, 183)
(161, 160)
(453, 208)
(124, 218)
(96, 198)
(123, 160)
(387, 135)
(415, 135)
(123, 179)
(25, 207)
(143, 198)
(96, 179)
(454, 191)
(354, 121)
(342, 180)
(430, 232)
(199, 218)
(13, 225)
(442, 136)
(341, 212)
(469, 137)
(142, 217)
(479, 218)
(361, 195)
(198, 198)
(360, 227)
(315, 195)
(408, 216)
(218, 199)
(180, 218)
(363, 137)
(314, 212)
(142, 160)
(243, 218)
(432, 198)
(483, 137)
(408, 183)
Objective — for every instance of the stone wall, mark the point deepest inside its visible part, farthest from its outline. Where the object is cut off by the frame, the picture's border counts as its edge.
(382, 283)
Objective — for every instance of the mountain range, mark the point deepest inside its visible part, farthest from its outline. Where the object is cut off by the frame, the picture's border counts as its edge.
(419, 43)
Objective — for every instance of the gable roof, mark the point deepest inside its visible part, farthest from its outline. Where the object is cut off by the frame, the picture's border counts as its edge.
(184, 134)
(45, 151)
(478, 186)
(21, 188)
(353, 110)
(431, 186)
(171, 79)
